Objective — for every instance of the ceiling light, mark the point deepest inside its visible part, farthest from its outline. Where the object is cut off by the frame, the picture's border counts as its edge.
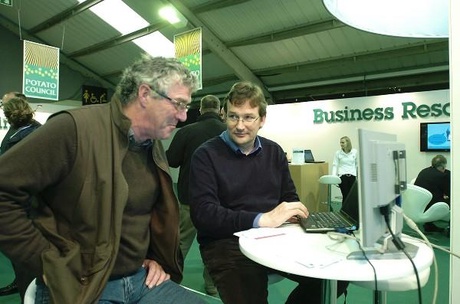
(156, 44)
(173, 16)
(402, 18)
(119, 15)
(125, 20)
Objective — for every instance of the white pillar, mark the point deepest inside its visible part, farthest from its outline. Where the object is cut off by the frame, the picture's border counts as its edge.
(454, 66)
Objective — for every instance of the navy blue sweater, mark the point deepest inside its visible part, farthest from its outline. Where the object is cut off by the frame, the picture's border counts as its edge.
(228, 189)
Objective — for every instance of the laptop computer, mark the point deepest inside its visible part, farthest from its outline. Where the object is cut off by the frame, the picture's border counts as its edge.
(347, 219)
(308, 157)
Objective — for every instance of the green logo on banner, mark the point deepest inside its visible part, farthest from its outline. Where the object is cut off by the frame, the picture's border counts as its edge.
(193, 63)
(7, 2)
(41, 82)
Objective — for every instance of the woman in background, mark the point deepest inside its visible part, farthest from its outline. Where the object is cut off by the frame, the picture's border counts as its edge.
(345, 165)
(19, 115)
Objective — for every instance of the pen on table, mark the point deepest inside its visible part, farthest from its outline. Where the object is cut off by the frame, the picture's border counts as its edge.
(268, 236)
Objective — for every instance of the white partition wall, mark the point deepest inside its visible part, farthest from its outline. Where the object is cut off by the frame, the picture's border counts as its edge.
(318, 125)
(454, 58)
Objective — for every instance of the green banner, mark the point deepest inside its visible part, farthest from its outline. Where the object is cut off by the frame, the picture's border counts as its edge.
(188, 49)
(41, 71)
(7, 2)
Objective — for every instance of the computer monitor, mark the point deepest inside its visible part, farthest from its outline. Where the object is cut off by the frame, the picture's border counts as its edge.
(381, 178)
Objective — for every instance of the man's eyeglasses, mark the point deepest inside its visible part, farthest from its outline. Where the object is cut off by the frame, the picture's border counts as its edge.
(245, 119)
(181, 106)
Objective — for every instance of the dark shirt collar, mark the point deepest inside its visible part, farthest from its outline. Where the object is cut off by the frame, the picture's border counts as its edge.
(142, 145)
(227, 140)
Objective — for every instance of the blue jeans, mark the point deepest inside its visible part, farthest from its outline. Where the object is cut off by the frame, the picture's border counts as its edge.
(132, 289)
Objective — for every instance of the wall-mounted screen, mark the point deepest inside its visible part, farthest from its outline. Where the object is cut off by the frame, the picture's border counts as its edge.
(435, 136)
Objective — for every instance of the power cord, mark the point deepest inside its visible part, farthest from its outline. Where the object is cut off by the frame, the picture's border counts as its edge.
(341, 237)
(376, 295)
(414, 227)
(385, 211)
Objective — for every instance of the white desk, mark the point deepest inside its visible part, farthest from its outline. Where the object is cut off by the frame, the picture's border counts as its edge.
(291, 250)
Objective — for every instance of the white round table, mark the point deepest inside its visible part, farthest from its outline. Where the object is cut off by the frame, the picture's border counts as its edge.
(291, 250)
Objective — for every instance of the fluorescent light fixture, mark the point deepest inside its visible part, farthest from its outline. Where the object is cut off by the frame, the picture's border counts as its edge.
(156, 43)
(173, 16)
(169, 13)
(125, 20)
(119, 15)
(402, 18)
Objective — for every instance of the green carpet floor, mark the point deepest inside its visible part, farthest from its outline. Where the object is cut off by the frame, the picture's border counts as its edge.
(278, 292)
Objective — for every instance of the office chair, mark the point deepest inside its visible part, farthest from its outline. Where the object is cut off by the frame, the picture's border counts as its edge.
(329, 180)
(414, 201)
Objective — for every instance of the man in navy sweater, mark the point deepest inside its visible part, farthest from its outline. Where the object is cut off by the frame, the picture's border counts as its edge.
(238, 181)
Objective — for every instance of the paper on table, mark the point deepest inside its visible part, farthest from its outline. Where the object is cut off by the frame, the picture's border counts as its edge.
(298, 255)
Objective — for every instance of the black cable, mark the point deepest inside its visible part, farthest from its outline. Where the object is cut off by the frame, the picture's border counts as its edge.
(385, 211)
(368, 261)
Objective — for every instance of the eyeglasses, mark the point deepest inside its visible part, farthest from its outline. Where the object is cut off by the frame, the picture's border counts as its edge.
(245, 119)
(181, 106)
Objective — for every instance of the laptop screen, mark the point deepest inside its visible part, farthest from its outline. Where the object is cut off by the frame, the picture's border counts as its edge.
(308, 155)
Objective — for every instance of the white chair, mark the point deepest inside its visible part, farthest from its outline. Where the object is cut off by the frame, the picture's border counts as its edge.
(329, 180)
(29, 297)
(414, 201)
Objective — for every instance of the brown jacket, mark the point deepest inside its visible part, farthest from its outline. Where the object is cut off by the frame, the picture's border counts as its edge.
(82, 235)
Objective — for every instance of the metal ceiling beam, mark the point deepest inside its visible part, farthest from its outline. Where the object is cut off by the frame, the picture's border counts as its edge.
(359, 85)
(218, 48)
(119, 40)
(214, 5)
(64, 15)
(331, 63)
(399, 84)
(293, 32)
(420, 48)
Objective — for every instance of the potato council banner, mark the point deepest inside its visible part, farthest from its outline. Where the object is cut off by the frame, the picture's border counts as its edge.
(188, 51)
(41, 71)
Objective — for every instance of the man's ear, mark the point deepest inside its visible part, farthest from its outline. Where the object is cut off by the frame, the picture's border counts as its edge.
(262, 121)
(143, 93)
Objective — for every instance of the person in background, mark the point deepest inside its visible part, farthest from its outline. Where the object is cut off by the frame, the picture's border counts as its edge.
(11, 130)
(19, 115)
(179, 154)
(107, 224)
(239, 180)
(435, 179)
(345, 165)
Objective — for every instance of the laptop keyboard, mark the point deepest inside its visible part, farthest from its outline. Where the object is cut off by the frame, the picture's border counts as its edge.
(327, 220)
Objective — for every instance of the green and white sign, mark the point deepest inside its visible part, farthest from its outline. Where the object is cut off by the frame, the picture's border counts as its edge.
(188, 50)
(41, 71)
(7, 2)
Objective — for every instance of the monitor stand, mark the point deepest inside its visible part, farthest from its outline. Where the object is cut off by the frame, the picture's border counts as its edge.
(385, 250)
